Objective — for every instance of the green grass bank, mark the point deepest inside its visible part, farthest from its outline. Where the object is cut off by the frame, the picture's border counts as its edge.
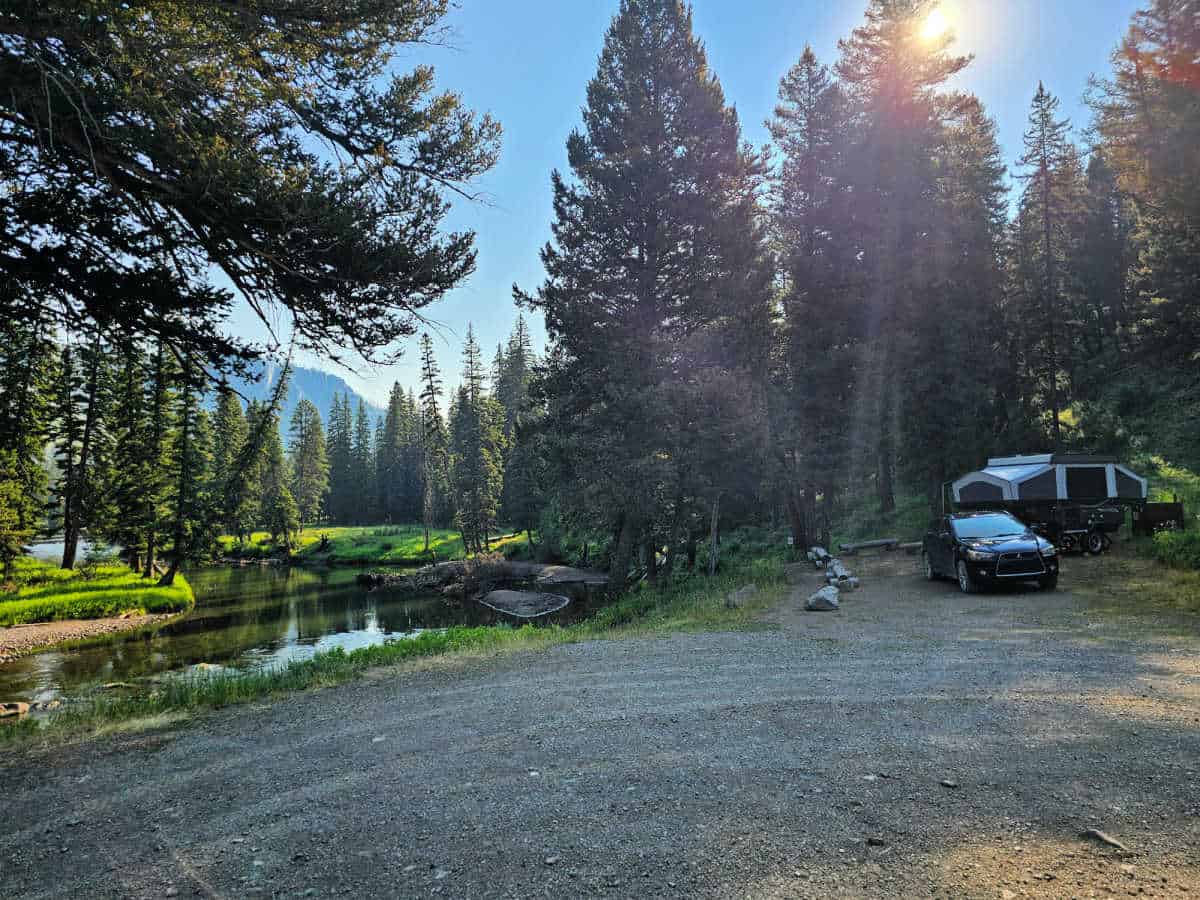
(42, 592)
(364, 545)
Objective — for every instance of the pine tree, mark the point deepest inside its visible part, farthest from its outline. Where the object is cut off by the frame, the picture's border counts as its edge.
(27, 364)
(154, 466)
(68, 427)
(129, 522)
(279, 514)
(16, 522)
(477, 445)
(1048, 204)
(342, 501)
(818, 358)
(655, 274)
(434, 443)
(309, 463)
(362, 475)
(890, 73)
(230, 476)
(192, 512)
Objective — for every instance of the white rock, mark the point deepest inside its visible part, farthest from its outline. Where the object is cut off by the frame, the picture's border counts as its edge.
(824, 600)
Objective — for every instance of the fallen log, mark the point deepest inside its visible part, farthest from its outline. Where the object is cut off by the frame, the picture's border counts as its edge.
(881, 544)
(912, 548)
(836, 571)
(440, 575)
(524, 604)
(819, 556)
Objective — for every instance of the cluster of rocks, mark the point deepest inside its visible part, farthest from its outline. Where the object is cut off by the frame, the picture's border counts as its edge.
(491, 579)
(837, 579)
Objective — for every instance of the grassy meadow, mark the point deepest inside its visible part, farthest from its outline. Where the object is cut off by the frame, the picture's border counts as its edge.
(369, 545)
(42, 592)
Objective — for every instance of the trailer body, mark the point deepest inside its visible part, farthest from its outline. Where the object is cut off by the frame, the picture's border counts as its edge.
(1075, 500)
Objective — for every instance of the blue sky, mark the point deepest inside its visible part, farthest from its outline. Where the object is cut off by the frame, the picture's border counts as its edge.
(528, 63)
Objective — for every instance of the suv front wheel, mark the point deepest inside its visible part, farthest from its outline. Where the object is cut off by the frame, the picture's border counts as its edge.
(966, 583)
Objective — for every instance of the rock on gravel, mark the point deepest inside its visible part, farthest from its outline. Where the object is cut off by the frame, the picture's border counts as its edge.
(824, 600)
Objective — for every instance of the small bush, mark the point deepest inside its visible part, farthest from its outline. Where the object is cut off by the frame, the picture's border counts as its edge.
(1178, 548)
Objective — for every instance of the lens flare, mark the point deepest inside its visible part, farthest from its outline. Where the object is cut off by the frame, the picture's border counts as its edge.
(935, 25)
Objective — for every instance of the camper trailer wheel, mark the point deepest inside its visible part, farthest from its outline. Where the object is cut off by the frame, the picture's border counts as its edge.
(966, 583)
(927, 567)
(1095, 541)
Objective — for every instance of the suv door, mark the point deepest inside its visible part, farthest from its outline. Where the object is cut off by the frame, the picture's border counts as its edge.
(945, 546)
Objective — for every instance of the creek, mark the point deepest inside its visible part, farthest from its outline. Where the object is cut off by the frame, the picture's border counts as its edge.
(250, 617)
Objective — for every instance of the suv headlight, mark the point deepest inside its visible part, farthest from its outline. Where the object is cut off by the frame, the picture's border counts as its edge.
(980, 555)
(1047, 549)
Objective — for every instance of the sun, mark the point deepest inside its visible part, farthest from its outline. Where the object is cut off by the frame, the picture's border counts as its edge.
(935, 25)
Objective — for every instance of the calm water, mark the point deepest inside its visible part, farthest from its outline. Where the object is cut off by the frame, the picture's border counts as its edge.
(249, 617)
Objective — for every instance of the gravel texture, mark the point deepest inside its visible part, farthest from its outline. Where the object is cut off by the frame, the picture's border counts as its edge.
(915, 743)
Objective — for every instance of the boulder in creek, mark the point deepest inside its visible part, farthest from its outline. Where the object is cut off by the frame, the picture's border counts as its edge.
(824, 600)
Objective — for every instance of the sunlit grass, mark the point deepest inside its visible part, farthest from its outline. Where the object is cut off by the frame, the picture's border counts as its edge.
(370, 544)
(47, 593)
(1136, 586)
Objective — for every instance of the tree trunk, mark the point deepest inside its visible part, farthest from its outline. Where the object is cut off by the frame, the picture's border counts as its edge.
(71, 534)
(796, 520)
(622, 555)
(151, 558)
(70, 540)
(651, 560)
(712, 536)
(168, 578)
(691, 552)
(884, 485)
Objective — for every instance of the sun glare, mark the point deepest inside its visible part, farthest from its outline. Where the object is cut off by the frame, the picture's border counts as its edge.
(936, 24)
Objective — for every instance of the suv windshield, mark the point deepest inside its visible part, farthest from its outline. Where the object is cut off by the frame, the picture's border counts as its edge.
(987, 526)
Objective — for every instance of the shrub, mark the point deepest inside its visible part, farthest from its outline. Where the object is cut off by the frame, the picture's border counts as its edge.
(1178, 548)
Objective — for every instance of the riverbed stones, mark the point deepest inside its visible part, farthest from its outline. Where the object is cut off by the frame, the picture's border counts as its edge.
(824, 600)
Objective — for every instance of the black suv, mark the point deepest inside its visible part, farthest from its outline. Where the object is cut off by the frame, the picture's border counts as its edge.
(987, 548)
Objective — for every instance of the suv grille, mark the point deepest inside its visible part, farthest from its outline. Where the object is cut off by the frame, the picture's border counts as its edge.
(1012, 564)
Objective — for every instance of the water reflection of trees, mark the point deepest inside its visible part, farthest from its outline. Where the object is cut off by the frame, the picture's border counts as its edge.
(249, 614)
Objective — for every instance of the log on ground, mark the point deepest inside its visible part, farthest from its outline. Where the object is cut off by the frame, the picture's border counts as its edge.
(525, 604)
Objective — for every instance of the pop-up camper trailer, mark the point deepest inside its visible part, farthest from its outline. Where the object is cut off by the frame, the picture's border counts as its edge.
(1076, 501)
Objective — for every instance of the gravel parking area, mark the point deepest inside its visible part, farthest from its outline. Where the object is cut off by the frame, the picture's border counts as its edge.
(915, 743)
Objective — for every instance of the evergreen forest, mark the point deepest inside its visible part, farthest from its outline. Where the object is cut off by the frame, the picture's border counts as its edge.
(850, 317)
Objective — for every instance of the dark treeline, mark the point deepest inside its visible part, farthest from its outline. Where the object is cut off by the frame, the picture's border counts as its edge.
(863, 310)
(856, 311)
(467, 469)
(146, 456)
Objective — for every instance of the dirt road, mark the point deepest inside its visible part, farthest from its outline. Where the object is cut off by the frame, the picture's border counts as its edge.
(917, 743)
